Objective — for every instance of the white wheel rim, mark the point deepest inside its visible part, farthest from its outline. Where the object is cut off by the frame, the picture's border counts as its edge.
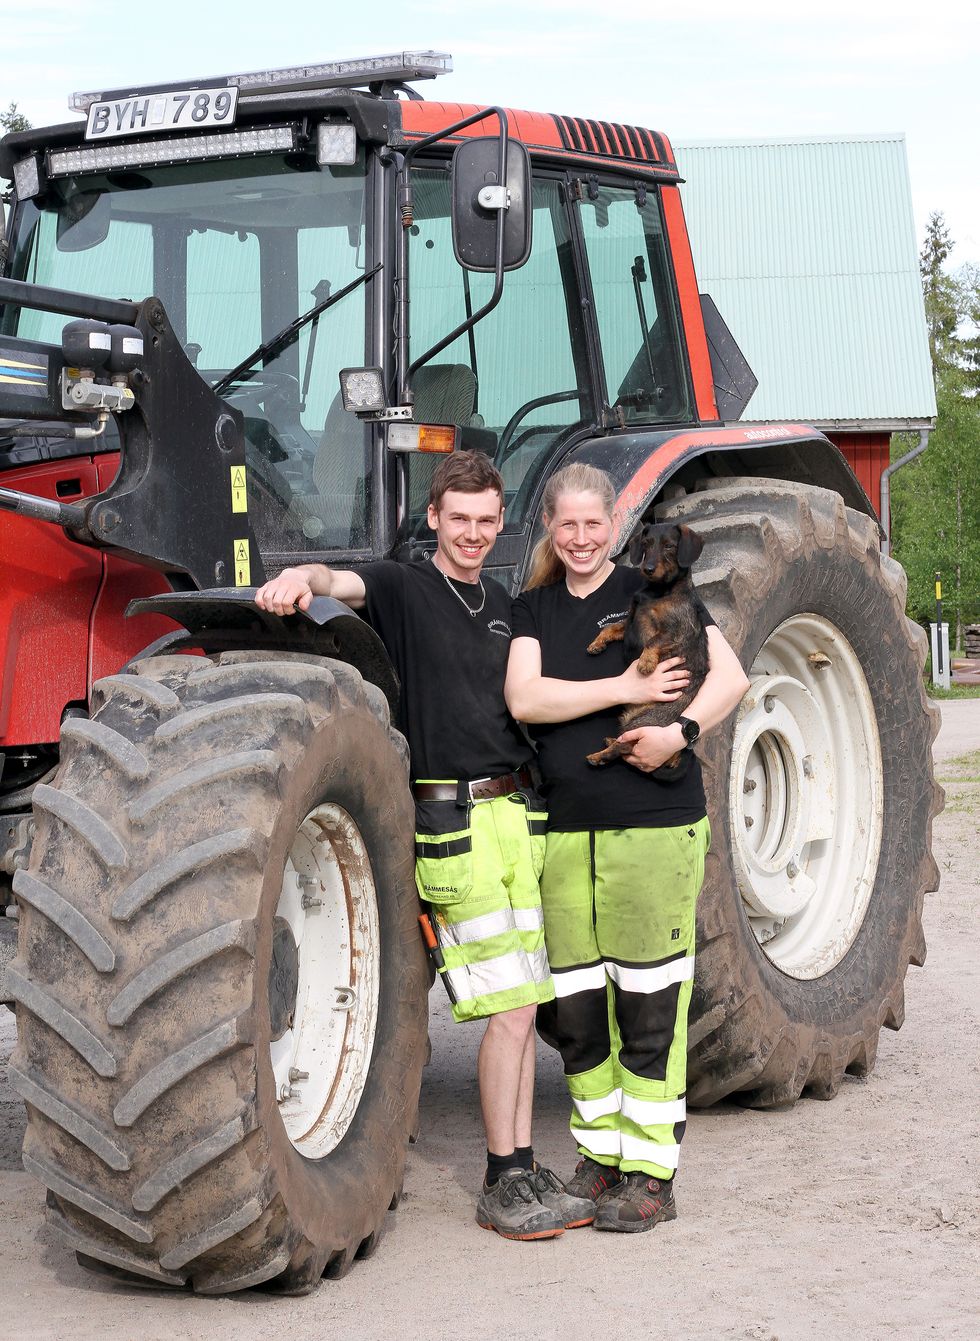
(322, 1061)
(805, 797)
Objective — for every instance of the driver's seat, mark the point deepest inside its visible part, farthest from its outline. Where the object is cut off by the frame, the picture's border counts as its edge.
(334, 517)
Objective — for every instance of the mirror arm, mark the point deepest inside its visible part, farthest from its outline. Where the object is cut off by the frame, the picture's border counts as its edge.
(405, 202)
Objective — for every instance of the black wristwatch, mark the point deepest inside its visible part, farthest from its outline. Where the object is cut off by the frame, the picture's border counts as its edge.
(690, 730)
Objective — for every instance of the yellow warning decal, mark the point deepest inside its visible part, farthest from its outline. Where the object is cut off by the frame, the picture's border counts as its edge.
(242, 564)
(239, 499)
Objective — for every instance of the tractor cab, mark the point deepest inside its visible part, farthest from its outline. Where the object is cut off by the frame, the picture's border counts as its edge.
(327, 261)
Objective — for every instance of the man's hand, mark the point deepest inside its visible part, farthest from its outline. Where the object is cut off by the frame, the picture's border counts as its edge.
(284, 594)
(665, 684)
(652, 745)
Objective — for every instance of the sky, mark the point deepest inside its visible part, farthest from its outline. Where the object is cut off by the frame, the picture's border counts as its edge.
(695, 69)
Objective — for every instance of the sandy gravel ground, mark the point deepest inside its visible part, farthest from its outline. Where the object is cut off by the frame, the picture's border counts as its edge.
(852, 1219)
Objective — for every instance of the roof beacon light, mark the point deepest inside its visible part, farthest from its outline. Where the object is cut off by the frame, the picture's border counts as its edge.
(397, 67)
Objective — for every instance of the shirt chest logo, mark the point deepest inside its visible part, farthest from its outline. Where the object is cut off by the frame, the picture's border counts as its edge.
(498, 626)
(611, 619)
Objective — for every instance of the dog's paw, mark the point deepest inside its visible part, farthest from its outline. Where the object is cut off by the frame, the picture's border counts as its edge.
(595, 647)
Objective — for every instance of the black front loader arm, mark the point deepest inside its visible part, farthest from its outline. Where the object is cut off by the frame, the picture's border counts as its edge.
(170, 504)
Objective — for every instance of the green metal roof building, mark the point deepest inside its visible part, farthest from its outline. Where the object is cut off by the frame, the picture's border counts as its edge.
(808, 248)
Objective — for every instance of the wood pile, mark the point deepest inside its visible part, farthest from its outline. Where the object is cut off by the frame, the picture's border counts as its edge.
(971, 638)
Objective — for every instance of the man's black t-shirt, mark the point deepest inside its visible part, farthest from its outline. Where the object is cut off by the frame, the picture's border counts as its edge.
(580, 796)
(452, 667)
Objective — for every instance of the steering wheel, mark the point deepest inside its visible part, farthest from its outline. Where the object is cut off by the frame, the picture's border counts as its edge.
(505, 447)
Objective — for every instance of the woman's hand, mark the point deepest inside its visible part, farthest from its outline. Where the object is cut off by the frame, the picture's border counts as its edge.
(666, 683)
(652, 745)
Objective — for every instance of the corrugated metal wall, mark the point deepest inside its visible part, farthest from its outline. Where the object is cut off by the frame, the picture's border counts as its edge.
(808, 248)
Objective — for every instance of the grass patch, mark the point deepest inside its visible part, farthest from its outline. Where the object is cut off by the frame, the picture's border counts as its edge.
(964, 768)
(954, 691)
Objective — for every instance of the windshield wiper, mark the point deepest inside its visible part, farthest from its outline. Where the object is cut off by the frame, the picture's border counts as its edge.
(289, 333)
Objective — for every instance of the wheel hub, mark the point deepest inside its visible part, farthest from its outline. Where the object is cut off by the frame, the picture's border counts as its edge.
(805, 796)
(283, 978)
(324, 980)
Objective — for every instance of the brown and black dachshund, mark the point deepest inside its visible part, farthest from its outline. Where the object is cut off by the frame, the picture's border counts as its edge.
(663, 622)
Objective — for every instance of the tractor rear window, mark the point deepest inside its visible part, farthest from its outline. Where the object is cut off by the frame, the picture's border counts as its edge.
(646, 376)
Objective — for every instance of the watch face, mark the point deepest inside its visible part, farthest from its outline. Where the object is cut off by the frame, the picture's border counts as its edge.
(691, 730)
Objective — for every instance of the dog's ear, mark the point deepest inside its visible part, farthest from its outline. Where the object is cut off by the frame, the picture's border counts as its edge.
(636, 547)
(689, 547)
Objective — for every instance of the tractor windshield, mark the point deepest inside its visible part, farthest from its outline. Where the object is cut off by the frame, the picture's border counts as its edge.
(236, 251)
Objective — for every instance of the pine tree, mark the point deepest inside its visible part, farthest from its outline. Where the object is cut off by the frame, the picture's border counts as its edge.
(11, 119)
(936, 499)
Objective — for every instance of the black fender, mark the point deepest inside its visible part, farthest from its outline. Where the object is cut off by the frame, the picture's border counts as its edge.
(642, 463)
(227, 619)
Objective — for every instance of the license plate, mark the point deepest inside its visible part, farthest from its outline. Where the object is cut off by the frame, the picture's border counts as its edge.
(177, 109)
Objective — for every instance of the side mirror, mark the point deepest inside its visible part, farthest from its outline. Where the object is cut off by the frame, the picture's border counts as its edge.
(476, 166)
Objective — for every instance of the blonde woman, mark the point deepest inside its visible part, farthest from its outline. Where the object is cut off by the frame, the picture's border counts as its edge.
(625, 856)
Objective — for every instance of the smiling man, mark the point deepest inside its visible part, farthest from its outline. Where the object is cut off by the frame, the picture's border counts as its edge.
(479, 840)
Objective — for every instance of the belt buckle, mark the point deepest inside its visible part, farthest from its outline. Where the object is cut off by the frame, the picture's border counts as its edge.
(475, 782)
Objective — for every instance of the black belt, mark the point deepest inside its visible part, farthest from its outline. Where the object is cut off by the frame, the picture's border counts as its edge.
(479, 789)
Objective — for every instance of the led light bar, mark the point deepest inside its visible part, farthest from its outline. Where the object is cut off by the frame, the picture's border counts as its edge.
(180, 149)
(399, 66)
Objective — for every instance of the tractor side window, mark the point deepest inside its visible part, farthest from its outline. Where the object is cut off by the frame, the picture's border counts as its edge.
(516, 383)
(634, 304)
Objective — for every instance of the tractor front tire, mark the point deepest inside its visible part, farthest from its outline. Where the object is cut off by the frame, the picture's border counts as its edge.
(820, 796)
(220, 983)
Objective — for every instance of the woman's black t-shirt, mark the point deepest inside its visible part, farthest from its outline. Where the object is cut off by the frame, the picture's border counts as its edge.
(451, 666)
(580, 796)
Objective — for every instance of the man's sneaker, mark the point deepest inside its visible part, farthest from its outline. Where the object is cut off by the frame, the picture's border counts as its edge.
(511, 1207)
(573, 1211)
(639, 1202)
(592, 1179)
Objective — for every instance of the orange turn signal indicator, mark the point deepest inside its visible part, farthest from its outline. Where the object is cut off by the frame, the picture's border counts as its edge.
(437, 437)
(404, 437)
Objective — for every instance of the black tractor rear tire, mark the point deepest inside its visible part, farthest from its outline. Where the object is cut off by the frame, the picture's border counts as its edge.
(775, 552)
(147, 986)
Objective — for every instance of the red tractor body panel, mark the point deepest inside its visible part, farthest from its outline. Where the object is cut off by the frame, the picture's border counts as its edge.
(61, 606)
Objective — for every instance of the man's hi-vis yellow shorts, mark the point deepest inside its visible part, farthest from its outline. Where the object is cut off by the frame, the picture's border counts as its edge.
(478, 867)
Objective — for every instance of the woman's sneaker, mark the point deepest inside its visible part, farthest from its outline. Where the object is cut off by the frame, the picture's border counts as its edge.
(639, 1202)
(573, 1210)
(592, 1179)
(511, 1208)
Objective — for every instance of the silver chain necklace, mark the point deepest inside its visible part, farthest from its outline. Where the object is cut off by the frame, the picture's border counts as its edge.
(462, 600)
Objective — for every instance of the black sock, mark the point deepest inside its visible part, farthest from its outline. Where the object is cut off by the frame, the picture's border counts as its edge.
(497, 1164)
(524, 1157)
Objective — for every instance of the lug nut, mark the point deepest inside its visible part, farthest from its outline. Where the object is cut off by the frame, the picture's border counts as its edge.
(749, 821)
(769, 703)
(295, 1074)
(792, 870)
(309, 901)
(749, 785)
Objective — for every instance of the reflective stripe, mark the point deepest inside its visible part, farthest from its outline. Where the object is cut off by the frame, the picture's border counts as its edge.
(486, 976)
(634, 1148)
(650, 1113)
(597, 1141)
(651, 979)
(481, 928)
(529, 919)
(590, 1109)
(570, 981)
(540, 968)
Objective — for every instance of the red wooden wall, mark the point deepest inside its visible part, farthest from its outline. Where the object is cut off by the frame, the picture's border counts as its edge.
(867, 455)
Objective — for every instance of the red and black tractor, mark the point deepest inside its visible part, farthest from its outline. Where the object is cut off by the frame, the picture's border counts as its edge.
(240, 320)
